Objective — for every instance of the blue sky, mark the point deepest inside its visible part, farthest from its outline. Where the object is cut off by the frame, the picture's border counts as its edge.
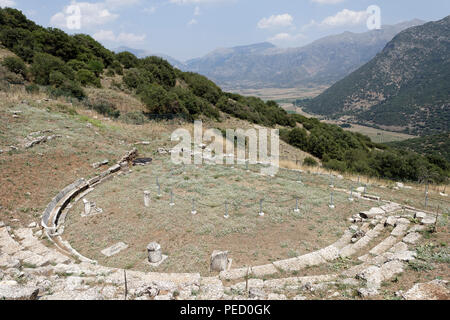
(186, 29)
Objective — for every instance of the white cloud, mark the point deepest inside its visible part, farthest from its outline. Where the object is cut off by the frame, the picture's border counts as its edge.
(192, 22)
(121, 3)
(104, 35)
(198, 1)
(197, 11)
(286, 37)
(92, 14)
(345, 18)
(123, 37)
(150, 10)
(276, 21)
(7, 3)
(327, 1)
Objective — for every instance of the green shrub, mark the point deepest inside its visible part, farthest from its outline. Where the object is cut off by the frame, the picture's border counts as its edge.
(66, 109)
(87, 77)
(96, 67)
(298, 138)
(336, 165)
(104, 107)
(76, 65)
(116, 84)
(110, 73)
(43, 65)
(202, 87)
(310, 162)
(161, 102)
(136, 118)
(158, 70)
(9, 77)
(117, 67)
(68, 89)
(57, 79)
(132, 78)
(32, 88)
(15, 65)
(127, 59)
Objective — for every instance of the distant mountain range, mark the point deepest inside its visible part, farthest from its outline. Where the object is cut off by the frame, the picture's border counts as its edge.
(406, 87)
(263, 65)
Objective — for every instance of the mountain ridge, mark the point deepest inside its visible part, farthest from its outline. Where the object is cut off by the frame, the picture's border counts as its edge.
(404, 86)
(321, 62)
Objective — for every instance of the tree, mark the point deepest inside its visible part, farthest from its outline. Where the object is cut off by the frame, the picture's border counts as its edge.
(15, 65)
(298, 138)
(159, 101)
(43, 65)
(127, 59)
(202, 87)
(76, 65)
(57, 79)
(87, 77)
(310, 162)
(155, 98)
(96, 67)
(161, 71)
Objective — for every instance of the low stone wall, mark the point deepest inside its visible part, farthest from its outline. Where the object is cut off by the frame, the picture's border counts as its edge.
(54, 209)
(56, 202)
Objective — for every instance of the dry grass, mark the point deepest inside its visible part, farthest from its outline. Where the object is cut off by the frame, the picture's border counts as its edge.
(4, 53)
(122, 101)
(189, 240)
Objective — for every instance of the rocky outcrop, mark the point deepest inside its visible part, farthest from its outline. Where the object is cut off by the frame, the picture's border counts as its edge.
(433, 290)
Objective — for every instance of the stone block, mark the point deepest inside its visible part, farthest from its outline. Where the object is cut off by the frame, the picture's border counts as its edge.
(115, 249)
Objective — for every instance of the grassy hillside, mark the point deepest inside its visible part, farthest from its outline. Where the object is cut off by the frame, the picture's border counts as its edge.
(131, 90)
(66, 64)
(405, 87)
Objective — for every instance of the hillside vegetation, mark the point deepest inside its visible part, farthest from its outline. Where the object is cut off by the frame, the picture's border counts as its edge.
(438, 144)
(49, 60)
(405, 87)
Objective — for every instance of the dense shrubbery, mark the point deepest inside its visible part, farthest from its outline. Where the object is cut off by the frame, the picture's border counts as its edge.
(87, 77)
(298, 138)
(55, 56)
(66, 62)
(68, 89)
(127, 59)
(254, 110)
(43, 65)
(346, 151)
(32, 88)
(136, 118)
(202, 87)
(15, 65)
(104, 107)
(436, 147)
(310, 162)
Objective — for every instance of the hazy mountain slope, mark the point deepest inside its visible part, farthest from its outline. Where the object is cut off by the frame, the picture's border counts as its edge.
(322, 62)
(406, 86)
